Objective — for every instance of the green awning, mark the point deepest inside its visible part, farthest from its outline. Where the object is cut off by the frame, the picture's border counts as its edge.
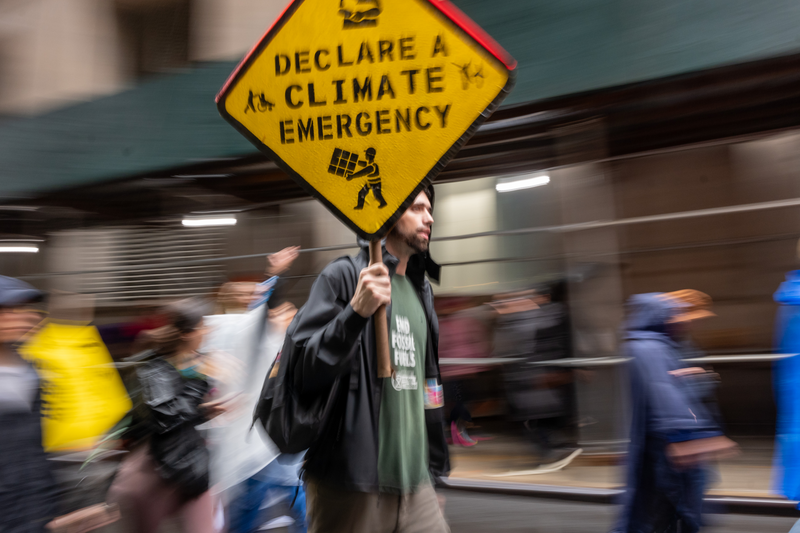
(166, 122)
(572, 46)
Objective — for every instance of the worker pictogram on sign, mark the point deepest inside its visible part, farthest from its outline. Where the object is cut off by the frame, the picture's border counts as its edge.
(382, 93)
(373, 175)
(344, 163)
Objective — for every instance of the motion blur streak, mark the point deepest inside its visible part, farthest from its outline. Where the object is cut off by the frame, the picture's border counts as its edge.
(660, 155)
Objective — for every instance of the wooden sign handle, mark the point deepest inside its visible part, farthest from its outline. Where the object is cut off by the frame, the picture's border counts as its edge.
(379, 318)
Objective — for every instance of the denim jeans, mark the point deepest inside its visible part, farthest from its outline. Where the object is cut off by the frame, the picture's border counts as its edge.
(245, 514)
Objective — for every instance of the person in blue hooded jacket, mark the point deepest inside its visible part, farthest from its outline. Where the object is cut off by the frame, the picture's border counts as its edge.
(671, 432)
(787, 383)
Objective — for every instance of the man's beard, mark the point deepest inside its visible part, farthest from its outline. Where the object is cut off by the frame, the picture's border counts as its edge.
(412, 240)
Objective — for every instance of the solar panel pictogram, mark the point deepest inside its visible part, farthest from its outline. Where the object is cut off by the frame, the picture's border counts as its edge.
(342, 162)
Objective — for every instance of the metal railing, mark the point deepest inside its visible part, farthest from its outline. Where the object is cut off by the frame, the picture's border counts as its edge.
(563, 228)
(575, 362)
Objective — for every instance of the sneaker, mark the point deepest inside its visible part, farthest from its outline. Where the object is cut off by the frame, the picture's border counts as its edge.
(275, 523)
(460, 439)
(466, 438)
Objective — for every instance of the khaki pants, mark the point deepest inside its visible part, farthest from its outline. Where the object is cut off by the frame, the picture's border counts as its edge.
(332, 510)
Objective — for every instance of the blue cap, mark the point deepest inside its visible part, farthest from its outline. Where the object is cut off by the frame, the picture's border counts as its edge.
(16, 292)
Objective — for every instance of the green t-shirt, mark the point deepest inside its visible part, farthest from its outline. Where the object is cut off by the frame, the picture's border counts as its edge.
(402, 438)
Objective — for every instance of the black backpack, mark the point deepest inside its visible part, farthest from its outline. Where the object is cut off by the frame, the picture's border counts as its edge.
(293, 423)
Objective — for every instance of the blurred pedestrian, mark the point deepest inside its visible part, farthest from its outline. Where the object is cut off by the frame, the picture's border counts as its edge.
(383, 442)
(82, 402)
(672, 435)
(167, 470)
(695, 306)
(787, 387)
(553, 383)
(462, 336)
(531, 330)
(246, 467)
(235, 297)
(27, 486)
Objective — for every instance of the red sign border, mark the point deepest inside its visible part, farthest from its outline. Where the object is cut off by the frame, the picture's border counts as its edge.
(451, 14)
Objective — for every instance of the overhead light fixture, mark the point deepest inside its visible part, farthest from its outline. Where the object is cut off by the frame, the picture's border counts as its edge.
(227, 220)
(517, 183)
(16, 244)
(31, 249)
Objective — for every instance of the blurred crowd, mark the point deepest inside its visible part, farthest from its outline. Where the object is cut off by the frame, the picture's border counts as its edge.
(165, 432)
(159, 434)
(528, 333)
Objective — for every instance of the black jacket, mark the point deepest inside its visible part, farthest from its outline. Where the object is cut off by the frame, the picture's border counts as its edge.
(167, 409)
(335, 347)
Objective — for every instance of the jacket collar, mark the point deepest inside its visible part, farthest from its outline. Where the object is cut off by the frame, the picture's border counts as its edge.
(418, 264)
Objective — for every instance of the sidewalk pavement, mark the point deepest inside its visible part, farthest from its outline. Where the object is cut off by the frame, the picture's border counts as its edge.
(510, 459)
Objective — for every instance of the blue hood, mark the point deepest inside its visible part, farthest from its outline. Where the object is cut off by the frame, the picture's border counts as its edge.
(648, 312)
(789, 291)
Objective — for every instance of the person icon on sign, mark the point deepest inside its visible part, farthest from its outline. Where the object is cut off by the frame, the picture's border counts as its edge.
(373, 175)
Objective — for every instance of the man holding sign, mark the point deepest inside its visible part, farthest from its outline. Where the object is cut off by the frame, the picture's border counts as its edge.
(405, 83)
(372, 470)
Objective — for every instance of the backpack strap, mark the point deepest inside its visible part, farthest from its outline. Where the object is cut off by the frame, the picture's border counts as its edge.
(355, 367)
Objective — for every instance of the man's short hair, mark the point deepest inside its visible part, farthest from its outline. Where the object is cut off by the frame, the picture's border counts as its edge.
(429, 192)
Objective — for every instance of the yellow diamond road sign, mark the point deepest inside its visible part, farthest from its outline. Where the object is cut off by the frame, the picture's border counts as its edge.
(363, 102)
